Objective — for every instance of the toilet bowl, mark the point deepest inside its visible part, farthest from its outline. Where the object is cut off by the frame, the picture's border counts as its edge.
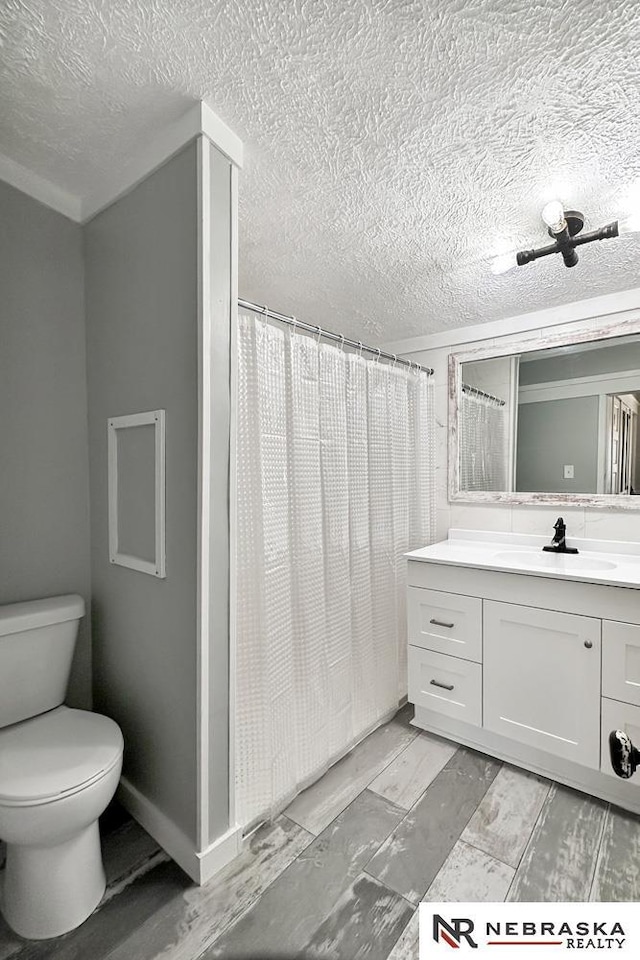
(58, 772)
(59, 768)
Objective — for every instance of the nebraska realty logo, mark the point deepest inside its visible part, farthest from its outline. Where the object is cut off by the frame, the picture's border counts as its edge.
(503, 928)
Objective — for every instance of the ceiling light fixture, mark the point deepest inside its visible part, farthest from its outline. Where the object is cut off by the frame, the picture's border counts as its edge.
(564, 226)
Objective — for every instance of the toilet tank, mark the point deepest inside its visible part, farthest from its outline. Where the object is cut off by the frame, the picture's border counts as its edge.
(37, 641)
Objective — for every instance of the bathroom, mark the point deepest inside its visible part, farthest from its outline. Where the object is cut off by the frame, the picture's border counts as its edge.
(279, 794)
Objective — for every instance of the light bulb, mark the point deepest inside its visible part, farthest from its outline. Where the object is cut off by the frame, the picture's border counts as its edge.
(630, 224)
(503, 263)
(553, 216)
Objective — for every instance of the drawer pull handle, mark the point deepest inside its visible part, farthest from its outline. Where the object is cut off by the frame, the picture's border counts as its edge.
(441, 623)
(445, 686)
(588, 644)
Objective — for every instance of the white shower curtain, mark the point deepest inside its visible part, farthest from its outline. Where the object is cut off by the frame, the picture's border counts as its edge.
(335, 482)
(483, 450)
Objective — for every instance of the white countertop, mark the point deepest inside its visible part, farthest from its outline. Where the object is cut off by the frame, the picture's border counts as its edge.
(609, 562)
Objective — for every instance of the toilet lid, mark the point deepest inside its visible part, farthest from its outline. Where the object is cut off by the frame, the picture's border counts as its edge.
(56, 753)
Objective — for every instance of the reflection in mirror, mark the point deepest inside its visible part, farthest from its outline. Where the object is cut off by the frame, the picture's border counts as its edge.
(562, 420)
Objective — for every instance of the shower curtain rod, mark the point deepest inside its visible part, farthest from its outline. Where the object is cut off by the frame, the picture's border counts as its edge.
(336, 337)
(467, 388)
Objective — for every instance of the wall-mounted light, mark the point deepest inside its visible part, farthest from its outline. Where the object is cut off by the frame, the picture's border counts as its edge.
(564, 226)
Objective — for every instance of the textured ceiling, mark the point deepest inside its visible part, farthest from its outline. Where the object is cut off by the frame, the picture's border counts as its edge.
(391, 146)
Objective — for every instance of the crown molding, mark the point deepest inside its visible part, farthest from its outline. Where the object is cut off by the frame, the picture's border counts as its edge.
(198, 120)
(40, 189)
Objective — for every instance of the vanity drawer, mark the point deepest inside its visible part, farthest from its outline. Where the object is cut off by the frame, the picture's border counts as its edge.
(446, 685)
(617, 716)
(445, 622)
(621, 661)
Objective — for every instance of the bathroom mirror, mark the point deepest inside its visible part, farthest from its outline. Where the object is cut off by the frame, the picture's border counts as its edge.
(553, 418)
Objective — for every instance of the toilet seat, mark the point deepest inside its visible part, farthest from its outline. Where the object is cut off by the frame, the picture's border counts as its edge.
(55, 755)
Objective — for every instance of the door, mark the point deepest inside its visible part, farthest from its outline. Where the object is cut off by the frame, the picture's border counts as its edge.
(542, 680)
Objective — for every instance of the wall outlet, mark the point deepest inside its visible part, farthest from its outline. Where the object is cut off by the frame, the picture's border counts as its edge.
(568, 471)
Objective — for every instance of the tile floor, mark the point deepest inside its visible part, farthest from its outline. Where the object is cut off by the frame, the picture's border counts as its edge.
(403, 818)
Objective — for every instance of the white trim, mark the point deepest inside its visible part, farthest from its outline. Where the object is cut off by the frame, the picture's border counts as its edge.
(601, 468)
(220, 135)
(53, 196)
(200, 866)
(170, 837)
(219, 853)
(233, 500)
(622, 381)
(607, 305)
(155, 419)
(198, 120)
(204, 486)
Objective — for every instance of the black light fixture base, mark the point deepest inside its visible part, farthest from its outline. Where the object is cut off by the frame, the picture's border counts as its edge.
(567, 239)
(575, 223)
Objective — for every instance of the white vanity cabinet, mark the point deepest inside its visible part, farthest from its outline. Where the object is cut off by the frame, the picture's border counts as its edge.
(531, 669)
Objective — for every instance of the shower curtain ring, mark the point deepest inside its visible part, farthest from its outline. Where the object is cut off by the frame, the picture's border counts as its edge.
(395, 360)
(294, 324)
(319, 329)
(379, 354)
(265, 310)
(360, 348)
(342, 342)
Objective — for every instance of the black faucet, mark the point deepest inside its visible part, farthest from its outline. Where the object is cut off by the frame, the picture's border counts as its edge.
(559, 544)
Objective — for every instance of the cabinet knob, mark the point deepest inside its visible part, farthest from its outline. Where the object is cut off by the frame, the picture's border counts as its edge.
(588, 644)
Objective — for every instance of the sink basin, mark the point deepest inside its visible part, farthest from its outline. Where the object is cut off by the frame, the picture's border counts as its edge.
(553, 561)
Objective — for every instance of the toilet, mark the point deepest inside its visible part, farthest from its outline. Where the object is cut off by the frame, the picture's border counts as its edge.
(59, 768)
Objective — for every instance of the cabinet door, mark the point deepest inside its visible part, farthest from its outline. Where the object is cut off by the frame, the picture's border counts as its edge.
(621, 661)
(618, 716)
(542, 680)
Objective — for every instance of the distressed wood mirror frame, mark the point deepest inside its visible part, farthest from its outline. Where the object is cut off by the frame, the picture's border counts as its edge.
(597, 328)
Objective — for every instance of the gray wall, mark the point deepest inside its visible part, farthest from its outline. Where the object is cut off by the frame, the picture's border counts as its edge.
(553, 433)
(44, 487)
(583, 363)
(141, 304)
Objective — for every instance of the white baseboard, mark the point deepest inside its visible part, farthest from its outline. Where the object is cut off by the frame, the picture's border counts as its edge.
(221, 852)
(200, 865)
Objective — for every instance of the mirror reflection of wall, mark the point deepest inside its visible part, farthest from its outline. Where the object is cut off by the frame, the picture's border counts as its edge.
(565, 420)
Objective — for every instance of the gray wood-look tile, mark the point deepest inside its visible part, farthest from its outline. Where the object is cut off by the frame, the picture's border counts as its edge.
(407, 777)
(10, 944)
(502, 824)
(126, 853)
(115, 921)
(470, 875)
(364, 924)
(189, 923)
(617, 876)
(559, 861)
(321, 803)
(288, 913)
(412, 856)
(407, 946)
